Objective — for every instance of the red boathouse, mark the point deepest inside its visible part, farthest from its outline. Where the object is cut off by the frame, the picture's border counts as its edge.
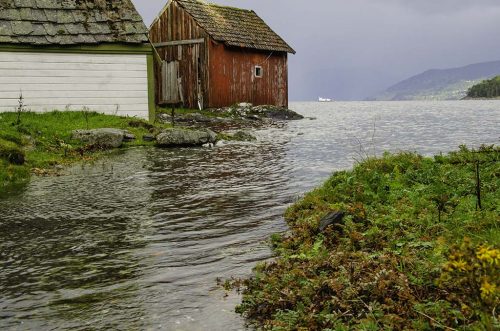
(216, 56)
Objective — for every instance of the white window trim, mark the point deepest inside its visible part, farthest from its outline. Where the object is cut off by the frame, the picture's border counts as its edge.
(255, 72)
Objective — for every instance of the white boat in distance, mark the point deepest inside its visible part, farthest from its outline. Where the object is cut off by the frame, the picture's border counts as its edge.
(320, 99)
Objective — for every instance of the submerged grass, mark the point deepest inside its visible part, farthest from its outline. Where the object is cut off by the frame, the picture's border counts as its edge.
(417, 249)
(43, 140)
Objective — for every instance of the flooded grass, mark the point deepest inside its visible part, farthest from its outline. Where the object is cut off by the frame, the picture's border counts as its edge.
(41, 141)
(416, 249)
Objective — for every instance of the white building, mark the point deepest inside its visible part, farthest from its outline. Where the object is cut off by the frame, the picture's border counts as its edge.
(71, 54)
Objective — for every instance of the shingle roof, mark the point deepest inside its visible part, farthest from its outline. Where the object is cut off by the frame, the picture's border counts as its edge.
(234, 26)
(70, 22)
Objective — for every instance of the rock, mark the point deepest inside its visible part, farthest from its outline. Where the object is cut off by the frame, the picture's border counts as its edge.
(243, 136)
(282, 114)
(148, 137)
(187, 119)
(12, 152)
(17, 158)
(179, 137)
(331, 218)
(245, 105)
(164, 118)
(103, 138)
(253, 117)
(212, 136)
(196, 117)
(128, 136)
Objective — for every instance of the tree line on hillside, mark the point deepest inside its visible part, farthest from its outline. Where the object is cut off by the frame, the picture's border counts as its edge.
(486, 89)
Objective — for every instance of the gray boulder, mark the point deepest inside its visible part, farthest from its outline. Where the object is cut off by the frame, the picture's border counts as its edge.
(148, 137)
(180, 137)
(332, 218)
(104, 138)
(128, 137)
(241, 136)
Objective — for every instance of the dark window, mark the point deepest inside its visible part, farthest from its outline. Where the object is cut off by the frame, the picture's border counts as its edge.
(258, 71)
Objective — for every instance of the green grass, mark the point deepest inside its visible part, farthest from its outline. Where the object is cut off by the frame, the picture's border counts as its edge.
(399, 259)
(45, 140)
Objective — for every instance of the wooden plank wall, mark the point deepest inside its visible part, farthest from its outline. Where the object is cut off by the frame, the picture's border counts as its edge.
(226, 74)
(232, 76)
(108, 83)
(175, 24)
(170, 90)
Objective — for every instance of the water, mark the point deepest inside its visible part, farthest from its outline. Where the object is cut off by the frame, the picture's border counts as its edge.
(137, 240)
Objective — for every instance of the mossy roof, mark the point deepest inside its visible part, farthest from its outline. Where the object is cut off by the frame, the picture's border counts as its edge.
(70, 22)
(234, 26)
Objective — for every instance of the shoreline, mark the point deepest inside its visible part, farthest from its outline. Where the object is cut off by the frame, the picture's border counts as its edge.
(385, 245)
(44, 143)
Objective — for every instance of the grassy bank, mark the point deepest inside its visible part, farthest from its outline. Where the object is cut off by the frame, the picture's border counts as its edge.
(44, 141)
(417, 248)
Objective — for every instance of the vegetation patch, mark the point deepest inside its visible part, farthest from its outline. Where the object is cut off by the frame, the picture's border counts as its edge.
(486, 89)
(36, 142)
(413, 244)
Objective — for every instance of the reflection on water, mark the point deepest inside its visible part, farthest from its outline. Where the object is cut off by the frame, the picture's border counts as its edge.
(137, 240)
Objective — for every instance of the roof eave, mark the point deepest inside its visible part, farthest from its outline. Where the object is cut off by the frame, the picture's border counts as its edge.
(281, 50)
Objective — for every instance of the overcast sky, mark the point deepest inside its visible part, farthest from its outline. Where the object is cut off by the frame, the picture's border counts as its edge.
(352, 49)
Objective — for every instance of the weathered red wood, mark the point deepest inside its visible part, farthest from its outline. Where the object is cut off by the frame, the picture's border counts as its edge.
(227, 73)
(175, 24)
(232, 75)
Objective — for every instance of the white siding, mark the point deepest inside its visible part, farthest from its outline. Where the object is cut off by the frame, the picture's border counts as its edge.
(107, 83)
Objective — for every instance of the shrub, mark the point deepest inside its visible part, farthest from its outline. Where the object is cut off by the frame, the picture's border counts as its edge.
(391, 262)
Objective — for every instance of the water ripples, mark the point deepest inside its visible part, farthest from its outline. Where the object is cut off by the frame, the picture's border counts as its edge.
(137, 240)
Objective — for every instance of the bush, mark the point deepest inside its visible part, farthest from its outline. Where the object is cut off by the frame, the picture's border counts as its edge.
(486, 89)
(391, 262)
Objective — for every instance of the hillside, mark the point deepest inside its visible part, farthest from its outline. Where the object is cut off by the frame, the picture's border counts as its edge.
(441, 84)
(486, 89)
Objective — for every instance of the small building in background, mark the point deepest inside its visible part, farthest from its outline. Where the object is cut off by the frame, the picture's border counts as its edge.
(71, 54)
(215, 56)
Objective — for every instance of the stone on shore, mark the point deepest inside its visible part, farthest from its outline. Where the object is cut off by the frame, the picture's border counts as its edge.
(238, 136)
(331, 219)
(249, 112)
(148, 137)
(11, 152)
(103, 138)
(183, 138)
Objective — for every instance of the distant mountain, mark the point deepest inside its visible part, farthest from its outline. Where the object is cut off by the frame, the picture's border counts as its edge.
(441, 84)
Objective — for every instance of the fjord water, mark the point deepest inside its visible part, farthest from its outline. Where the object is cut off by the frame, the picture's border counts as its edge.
(137, 240)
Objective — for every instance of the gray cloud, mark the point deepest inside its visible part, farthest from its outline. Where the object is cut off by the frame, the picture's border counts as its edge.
(351, 49)
(441, 6)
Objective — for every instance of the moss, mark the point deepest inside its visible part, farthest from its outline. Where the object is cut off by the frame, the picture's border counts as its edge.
(379, 268)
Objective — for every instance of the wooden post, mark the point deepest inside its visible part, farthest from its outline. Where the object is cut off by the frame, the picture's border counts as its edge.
(173, 115)
(478, 186)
